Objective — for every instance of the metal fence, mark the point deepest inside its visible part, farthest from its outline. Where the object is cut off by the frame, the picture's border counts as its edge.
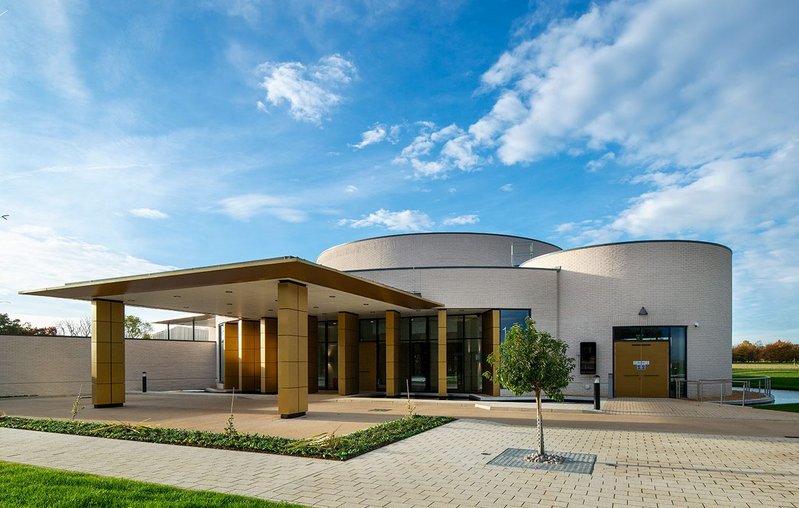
(749, 388)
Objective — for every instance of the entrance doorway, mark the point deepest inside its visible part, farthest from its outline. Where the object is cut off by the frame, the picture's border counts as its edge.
(641, 369)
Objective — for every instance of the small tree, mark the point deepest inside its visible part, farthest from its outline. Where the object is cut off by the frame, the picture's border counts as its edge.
(136, 328)
(533, 361)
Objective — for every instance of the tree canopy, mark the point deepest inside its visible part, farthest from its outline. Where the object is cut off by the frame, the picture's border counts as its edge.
(137, 328)
(778, 351)
(10, 326)
(533, 361)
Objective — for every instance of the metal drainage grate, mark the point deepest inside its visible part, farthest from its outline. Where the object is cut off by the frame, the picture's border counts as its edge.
(379, 410)
(575, 462)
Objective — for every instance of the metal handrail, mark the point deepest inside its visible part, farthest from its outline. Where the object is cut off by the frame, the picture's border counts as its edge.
(746, 384)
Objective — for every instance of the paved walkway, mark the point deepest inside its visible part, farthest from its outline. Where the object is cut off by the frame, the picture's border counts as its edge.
(448, 466)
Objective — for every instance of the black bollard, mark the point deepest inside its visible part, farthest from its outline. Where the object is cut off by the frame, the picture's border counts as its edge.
(596, 393)
(144, 382)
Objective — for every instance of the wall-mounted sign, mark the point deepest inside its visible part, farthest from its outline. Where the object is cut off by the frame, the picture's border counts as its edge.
(641, 364)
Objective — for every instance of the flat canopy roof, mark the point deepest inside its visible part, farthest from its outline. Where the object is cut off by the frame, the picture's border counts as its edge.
(245, 290)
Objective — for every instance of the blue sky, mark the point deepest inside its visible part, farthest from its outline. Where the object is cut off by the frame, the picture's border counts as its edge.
(140, 136)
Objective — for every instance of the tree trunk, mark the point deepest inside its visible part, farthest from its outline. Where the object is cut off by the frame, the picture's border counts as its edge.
(539, 424)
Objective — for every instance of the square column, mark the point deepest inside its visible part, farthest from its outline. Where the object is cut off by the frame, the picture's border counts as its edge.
(231, 333)
(348, 353)
(393, 375)
(268, 345)
(313, 351)
(442, 353)
(249, 355)
(108, 353)
(490, 345)
(292, 349)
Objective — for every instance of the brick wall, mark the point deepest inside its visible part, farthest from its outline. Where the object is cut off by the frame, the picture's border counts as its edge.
(433, 249)
(61, 365)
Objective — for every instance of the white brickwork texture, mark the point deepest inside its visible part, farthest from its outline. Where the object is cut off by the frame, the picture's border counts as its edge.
(581, 294)
(679, 284)
(61, 365)
(432, 249)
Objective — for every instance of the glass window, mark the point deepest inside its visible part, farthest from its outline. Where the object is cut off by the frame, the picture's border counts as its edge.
(405, 328)
(472, 374)
(510, 317)
(332, 366)
(473, 326)
(332, 331)
(454, 327)
(418, 329)
(368, 330)
(381, 330)
(321, 363)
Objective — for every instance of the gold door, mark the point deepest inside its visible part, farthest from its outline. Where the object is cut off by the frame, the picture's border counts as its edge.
(641, 369)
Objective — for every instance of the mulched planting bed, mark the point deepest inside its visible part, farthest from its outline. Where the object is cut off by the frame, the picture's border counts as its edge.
(323, 446)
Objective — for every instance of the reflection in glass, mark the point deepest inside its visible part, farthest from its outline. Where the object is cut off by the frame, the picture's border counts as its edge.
(510, 317)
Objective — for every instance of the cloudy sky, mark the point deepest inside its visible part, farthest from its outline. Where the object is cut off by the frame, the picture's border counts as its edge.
(141, 136)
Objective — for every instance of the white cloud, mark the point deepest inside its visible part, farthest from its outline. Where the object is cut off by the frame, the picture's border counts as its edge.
(632, 74)
(698, 98)
(405, 220)
(565, 227)
(508, 187)
(597, 164)
(148, 213)
(247, 206)
(461, 220)
(38, 47)
(310, 91)
(457, 150)
(372, 136)
(36, 257)
(350, 189)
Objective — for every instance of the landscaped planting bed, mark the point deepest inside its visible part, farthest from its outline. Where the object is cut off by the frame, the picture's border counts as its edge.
(323, 446)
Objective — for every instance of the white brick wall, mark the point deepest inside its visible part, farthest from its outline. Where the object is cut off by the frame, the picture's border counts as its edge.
(60, 365)
(596, 288)
(679, 284)
(431, 249)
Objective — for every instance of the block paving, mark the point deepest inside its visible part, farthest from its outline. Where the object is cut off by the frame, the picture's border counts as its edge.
(448, 466)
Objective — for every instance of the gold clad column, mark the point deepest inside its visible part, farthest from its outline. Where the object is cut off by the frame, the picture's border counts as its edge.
(268, 355)
(348, 353)
(108, 353)
(292, 349)
(249, 355)
(490, 345)
(393, 381)
(232, 355)
(442, 354)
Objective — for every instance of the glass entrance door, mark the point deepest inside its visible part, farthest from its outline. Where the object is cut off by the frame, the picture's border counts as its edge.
(420, 367)
(455, 366)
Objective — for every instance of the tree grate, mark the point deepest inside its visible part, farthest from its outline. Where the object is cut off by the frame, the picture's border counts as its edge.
(575, 462)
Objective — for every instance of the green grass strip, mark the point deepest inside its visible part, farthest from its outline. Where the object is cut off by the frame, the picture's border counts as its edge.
(336, 448)
(791, 408)
(22, 485)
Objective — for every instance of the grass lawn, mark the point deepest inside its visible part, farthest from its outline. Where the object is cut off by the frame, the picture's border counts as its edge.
(784, 376)
(35, 486)
(791, 408)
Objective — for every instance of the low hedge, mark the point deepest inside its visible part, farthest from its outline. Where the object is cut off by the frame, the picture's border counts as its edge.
(327, 447)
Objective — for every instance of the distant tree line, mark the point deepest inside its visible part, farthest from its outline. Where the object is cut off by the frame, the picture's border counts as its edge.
(135, 327)
(779, 351)
(10, 326)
